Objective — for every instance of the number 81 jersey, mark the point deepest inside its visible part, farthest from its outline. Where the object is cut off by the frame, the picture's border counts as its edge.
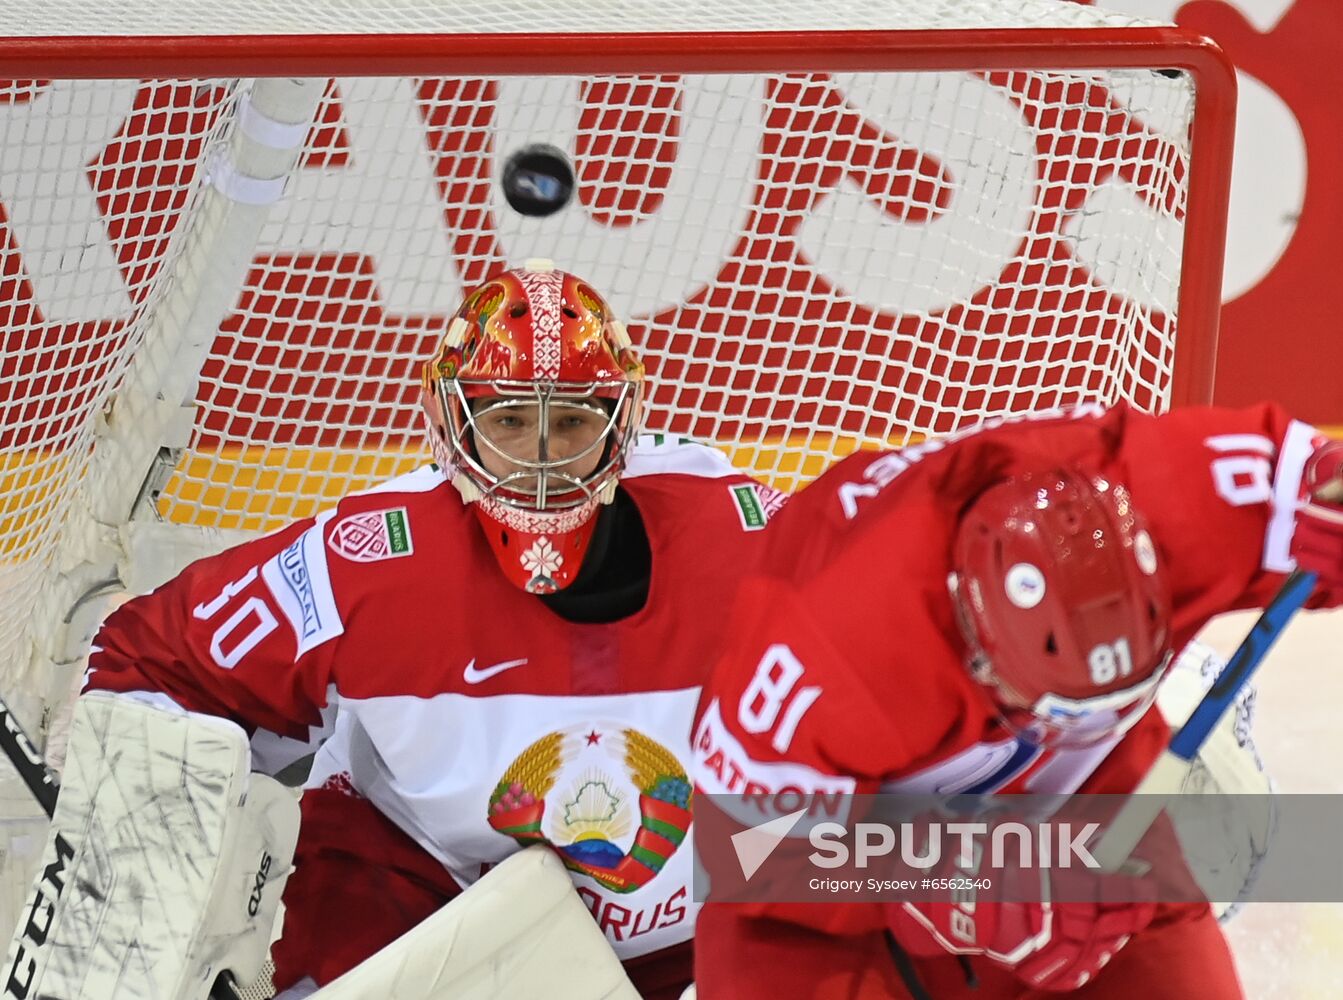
(846, 667)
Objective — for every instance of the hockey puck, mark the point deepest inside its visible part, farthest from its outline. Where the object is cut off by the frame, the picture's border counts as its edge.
(538, 180)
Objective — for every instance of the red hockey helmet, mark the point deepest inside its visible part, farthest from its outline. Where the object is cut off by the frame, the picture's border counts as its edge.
(1064, 605)
(532, 402)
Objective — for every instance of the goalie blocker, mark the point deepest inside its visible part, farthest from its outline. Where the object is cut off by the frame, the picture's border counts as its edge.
(520, 931)
(165, 861)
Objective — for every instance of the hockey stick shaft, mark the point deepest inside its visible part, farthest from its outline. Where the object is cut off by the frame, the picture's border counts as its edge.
(1167, 774)
(42, 783)
(27, 761)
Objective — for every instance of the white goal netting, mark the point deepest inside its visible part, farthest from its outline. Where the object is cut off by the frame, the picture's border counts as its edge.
(222, 261)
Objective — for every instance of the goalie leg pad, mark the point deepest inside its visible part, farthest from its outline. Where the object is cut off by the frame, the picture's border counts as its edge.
(164, 863)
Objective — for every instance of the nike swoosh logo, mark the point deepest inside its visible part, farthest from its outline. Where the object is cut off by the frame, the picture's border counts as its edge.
(473, 676)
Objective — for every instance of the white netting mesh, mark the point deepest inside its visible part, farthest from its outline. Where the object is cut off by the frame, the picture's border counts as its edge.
(810, 260)
(816, 260)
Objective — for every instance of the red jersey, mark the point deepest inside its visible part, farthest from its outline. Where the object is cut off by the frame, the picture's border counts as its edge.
(466, 711)
(846, 672)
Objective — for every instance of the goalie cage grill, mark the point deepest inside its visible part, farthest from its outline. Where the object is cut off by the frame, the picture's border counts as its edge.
(226, 252)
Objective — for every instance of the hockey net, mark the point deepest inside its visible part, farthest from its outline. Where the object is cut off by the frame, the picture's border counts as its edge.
(230, 232)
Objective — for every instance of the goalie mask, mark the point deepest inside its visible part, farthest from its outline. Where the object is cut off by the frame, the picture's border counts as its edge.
(1064, 606)
(532, 403)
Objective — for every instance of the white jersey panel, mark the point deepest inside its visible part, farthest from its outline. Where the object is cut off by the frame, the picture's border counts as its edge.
(600, 778)
(656, 453)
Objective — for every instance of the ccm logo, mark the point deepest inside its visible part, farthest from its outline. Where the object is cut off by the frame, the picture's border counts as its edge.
(38, 925)
(254, 902)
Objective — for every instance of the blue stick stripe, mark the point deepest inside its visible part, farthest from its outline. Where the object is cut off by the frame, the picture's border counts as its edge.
(1186, 743)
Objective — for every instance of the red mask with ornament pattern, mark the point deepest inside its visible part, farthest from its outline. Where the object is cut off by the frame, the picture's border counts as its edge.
(532, 404)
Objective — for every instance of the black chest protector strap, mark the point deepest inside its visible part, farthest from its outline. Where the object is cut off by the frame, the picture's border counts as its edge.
(613, 582)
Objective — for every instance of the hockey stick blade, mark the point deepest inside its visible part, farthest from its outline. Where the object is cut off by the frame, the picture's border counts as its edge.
(1167, 774)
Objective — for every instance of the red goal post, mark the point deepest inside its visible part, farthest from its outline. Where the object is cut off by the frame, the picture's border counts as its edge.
(230, 234)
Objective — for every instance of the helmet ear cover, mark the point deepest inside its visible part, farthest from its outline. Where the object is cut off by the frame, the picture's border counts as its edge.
(1063, 604)
(539, 344)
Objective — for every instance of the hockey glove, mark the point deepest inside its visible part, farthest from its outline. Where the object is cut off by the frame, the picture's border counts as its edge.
(1317, 544)
(1047, 945)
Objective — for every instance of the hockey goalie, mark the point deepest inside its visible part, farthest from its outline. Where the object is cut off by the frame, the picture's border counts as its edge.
(502, 650)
